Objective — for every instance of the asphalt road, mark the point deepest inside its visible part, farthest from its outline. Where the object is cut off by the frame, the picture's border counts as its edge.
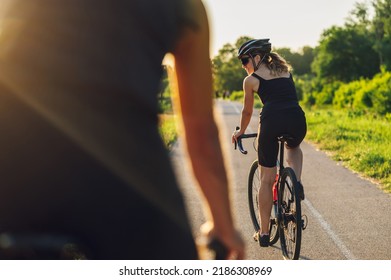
(348, 216)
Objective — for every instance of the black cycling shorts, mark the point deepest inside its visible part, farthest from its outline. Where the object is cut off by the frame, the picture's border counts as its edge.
(289, 121)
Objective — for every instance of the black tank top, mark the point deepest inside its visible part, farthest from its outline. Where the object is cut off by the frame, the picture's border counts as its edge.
(277, 94)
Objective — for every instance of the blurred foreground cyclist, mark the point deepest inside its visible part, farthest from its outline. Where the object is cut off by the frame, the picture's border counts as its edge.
(80, 152)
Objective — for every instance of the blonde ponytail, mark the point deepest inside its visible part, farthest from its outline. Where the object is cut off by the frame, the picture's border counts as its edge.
(276, 64)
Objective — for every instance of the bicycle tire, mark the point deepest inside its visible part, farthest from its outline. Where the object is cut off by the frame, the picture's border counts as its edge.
(253, 188)
(290, 221)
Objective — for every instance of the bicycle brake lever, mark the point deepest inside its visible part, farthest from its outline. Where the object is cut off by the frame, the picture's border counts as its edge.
(236, 142)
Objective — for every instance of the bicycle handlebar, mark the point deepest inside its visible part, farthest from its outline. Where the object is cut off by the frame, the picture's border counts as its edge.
(239, 144)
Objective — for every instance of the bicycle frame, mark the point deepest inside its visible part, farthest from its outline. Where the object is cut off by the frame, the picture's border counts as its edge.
(280, 165)
(280, 161)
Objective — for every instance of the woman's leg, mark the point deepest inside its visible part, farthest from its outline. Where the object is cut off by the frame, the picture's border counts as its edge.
(265, 196)
(294, 159)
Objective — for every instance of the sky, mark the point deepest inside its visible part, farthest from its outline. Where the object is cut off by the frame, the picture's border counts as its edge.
(288, 23)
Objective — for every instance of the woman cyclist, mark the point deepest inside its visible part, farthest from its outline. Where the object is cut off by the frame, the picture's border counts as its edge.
(269, 76)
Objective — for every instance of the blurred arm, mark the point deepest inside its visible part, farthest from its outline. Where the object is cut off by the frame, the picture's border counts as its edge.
(194, 82)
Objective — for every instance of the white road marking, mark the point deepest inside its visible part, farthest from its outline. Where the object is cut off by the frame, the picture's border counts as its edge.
(338, 242)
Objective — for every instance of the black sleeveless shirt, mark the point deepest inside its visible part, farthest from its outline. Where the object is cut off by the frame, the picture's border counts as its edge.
(277, 94)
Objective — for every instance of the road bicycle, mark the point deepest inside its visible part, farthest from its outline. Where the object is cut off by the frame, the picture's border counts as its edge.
(286, 221)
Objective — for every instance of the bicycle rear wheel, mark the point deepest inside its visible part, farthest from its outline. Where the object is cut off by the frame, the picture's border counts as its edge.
(254, 182)
(289, 207)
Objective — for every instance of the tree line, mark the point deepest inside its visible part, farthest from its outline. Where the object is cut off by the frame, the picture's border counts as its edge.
(349, 68)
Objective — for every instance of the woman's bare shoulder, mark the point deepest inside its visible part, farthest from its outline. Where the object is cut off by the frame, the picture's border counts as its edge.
(250, 82)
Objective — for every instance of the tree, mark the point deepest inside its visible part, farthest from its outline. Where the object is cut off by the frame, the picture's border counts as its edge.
(381, 25)
(227, 70)
(345, 54)
(359, 16)
(300, 61)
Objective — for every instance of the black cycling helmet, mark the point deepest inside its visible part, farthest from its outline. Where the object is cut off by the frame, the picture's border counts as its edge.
(255, 46)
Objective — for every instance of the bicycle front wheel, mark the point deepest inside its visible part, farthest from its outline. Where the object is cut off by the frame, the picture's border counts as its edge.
(289, 208)
(254, 183)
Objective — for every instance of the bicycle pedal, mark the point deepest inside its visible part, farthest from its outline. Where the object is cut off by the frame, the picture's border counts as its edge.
(304, 222)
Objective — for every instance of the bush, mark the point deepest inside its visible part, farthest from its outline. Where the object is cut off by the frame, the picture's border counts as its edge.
(375, 94)
(236, 96)
(309, 100)
(307, 88)
(303, 86)
(326, 95)
(381, 98)
(344, 95)
(362, 98)
(165, 102)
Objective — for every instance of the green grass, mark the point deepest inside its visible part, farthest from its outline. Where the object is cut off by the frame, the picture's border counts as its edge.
(167, 128)
(167, 124)
(361, 141)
